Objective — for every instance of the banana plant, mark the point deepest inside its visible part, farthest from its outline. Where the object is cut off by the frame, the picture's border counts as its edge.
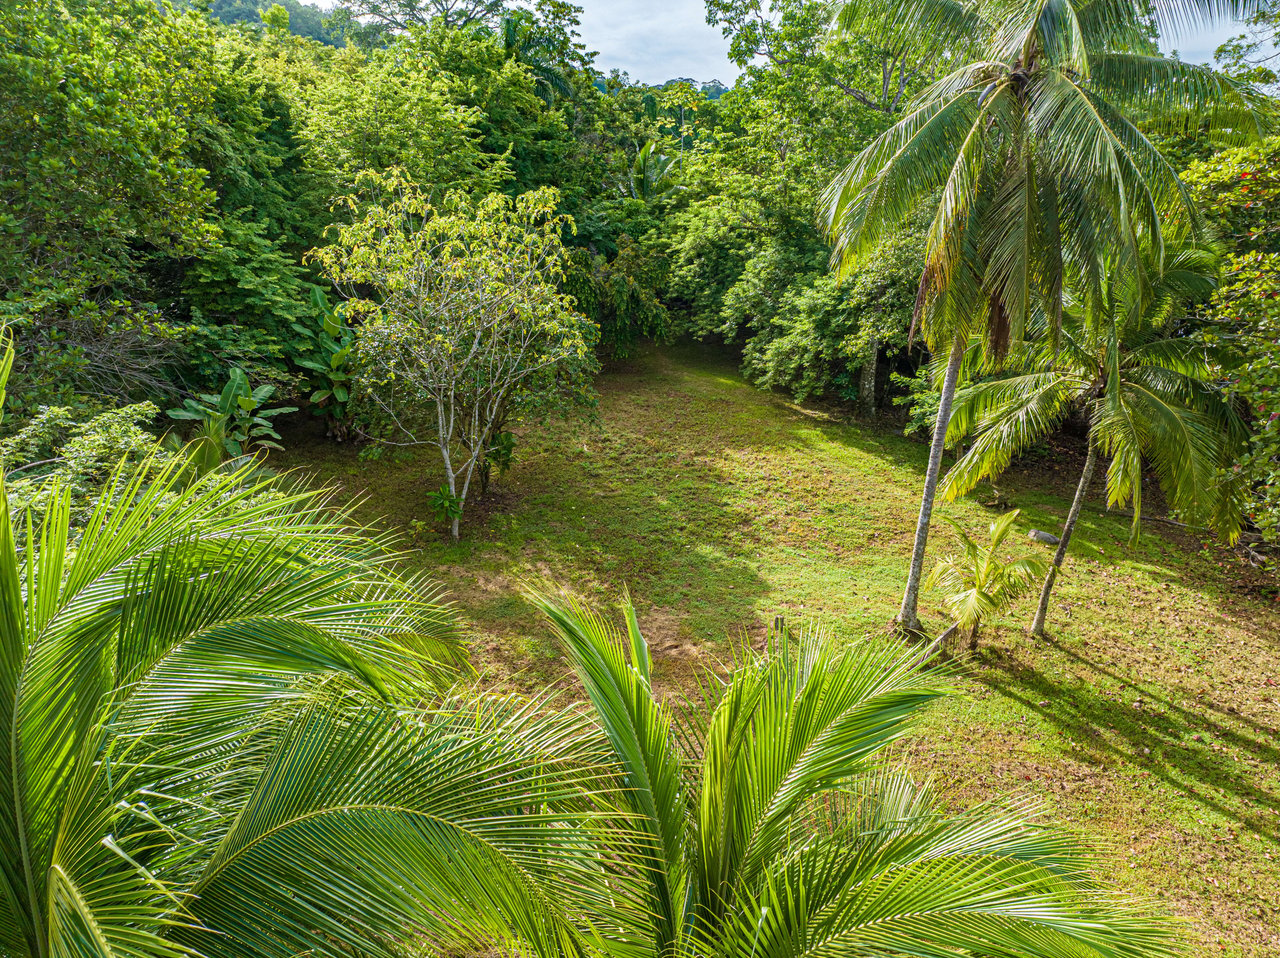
(235, 415)
(328, 366)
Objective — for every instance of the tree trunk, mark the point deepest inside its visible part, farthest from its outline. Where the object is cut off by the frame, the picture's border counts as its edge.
(908, 619)
(1090, 462)
(453, 490)
(867, 383)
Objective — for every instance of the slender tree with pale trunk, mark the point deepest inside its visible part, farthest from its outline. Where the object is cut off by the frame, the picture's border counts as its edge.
(461, 323)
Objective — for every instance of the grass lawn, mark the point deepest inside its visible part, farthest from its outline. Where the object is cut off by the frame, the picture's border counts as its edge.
(1149, 721)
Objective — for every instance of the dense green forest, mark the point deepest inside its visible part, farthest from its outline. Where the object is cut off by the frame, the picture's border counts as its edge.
(305, 310)
(173, 178)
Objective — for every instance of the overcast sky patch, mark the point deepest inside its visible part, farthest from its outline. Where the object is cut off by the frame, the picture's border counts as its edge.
(657, 40)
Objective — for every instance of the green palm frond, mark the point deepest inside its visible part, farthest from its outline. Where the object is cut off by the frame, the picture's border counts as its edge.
(800, 838)
(1008, 416)
(615, 671)
(371, 827)
(143, 662)
(1172, 91)
(790, 726)
(950, 23)
(886, 181)
(978, 584)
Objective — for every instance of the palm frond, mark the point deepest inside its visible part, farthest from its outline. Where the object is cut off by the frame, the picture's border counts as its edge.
(448, 827)
(615, 670)
(947, 23)
(791, 726)
(1177, 94)
(1008, 416)
(904, 878)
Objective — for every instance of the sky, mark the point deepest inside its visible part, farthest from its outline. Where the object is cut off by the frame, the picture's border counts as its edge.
(656, 40)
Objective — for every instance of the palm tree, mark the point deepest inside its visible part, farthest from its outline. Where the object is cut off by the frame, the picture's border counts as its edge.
(652, 175)
(212, 744)
(979, 583)
(770, 824)
(1151, 398)
(1032, 155)
(529, 43)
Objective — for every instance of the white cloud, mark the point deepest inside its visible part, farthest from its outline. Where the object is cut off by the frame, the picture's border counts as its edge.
(655, 40)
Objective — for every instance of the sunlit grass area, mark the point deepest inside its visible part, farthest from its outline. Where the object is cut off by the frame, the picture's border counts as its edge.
(1149, 719)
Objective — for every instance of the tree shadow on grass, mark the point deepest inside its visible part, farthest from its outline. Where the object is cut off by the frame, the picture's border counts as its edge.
(1149, 731)
(602, 524)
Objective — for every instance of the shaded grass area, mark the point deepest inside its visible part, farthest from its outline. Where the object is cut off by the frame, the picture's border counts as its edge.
(1149, 720)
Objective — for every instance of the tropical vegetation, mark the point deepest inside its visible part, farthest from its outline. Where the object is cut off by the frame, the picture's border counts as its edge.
(1040, 173)
(296, 300)
(1149, 394)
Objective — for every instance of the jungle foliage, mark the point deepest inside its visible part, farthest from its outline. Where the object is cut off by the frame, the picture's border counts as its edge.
(165, 172)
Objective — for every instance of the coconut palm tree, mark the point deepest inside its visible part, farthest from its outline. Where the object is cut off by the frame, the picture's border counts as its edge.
(1030, 152)
(1151, 397)
(978, 583)
(212, 742)
(768, 822)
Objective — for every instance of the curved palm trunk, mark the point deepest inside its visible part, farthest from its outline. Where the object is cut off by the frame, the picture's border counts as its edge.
(1090, 462)
(908, 620)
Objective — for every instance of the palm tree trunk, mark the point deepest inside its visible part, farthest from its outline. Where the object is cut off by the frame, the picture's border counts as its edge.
(908, 620)
(1090, 462)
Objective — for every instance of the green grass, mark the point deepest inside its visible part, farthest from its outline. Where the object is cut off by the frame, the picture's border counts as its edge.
(1149, 721)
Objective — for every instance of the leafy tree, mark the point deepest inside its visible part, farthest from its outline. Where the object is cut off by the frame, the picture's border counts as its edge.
(246, 280)
(387, 110)
(771, 824)
(826, 338)
(1150, 394)
(1032, 163)
(1254, 55)
(93, 98)
(545, 41)
(790, 36)
(619, 295)
(978, 583)
(461, 321)
(512, 124)
(276, 18)
(1240, 192)
(94, 177)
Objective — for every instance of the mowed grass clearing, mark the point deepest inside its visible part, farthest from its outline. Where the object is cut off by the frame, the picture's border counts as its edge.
(1149, 721)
